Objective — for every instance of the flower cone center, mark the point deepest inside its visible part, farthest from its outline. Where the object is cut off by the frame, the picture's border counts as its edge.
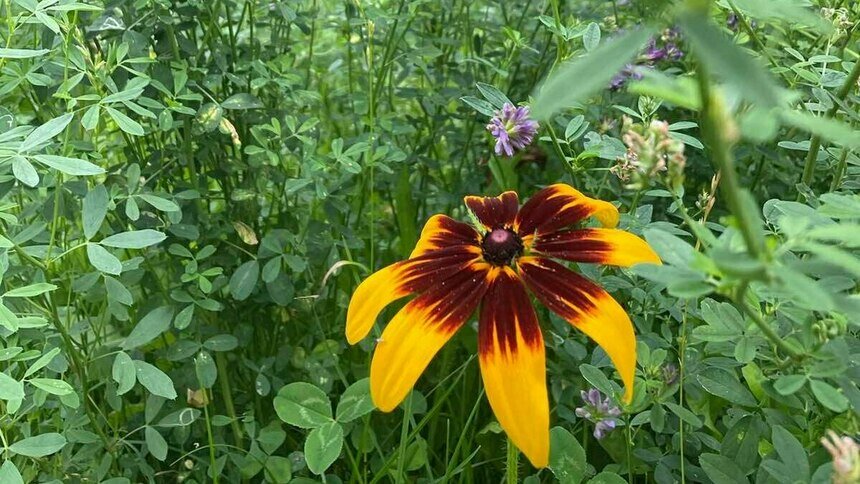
(501, 245)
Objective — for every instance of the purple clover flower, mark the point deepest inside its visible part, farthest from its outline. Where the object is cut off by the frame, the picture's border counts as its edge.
(630, 71)
(512, 128)
(601, 411)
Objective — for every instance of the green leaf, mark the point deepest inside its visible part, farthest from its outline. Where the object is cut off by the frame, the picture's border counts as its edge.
(566, 456)
(323, 446)
(154, 380)
(221, 342)
(581, 78)
(21, 53)
(829, 396)
(244, 280)
(123, 372)
(183, 319)
(829, 129)
(31, 290)
(205, 369)
(10, 388)
(607, 478)
(684, 414)
(242, 100)
(155, 443)
(479, 105)
(671, 249)
(355, 401)
(728, 61)
(596, 377)
(90, 118)
(42, 362)
(159, 203)
(494, 96)
(45, 132)
(40, 445)
(70, 166)
(125, 123)
(791, 453)
(591, 36)
(135, 239)
(788, 384)
(9, 474)
(722, 470)
(94, 210)
(103, 260)
(24, 171)
(150, 327)
(52, 386)
(278, 469)
(303, 405)
(723, 384)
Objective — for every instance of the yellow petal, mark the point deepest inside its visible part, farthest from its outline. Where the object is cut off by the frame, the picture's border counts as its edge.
(558, 206)
(418, 331)
(399, 280)
(612, 247)
(588, 308)
(442, 231)
(513, 366)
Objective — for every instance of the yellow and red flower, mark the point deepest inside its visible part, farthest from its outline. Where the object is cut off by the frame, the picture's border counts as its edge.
(455, 268)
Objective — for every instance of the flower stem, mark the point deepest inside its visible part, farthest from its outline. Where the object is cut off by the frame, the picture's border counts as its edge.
(815, 142)
(512, 463)
(719, 145)
(765, 328)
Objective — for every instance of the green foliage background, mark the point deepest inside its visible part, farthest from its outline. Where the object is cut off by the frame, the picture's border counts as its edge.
(190, 191)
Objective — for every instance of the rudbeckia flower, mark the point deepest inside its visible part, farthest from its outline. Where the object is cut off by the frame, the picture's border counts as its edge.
(456, 268)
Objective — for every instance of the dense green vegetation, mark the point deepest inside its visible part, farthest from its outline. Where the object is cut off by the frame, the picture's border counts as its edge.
(190, 193)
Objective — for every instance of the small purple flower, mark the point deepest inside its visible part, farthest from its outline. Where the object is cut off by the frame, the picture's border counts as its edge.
(630, 71)
(601, 411)
(512, 128)
(654, 53)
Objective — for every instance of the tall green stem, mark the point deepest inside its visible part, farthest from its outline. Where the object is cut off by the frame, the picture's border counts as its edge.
(815, 142)
(714, 121)
(512, 463)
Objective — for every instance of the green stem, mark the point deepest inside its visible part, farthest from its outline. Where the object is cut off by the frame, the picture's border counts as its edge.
(840, 171)
(404, 439)
(227, 395)
(714, 119)
(815, 142)
(765, 328)
(211, 446)
(511, 463)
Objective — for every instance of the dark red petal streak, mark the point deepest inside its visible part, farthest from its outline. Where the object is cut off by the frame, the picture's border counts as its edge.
(558, 206)
(419, 330)
(507, 316)
(401, 279)
(494, 212)
(588, 308)
(596, 245)
(513, 365)
(441, 232)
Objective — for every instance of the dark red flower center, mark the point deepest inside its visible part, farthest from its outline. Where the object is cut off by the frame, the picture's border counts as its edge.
(501, 245)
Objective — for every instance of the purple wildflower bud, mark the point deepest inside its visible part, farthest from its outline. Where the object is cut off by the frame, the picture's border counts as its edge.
(673, 52)
(513, 129)
(629, 72)
(599, 410)
(654, 53)
(732, 21)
